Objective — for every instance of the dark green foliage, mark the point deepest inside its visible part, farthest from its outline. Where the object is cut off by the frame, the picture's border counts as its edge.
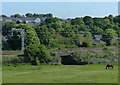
(88, 21)
(5, 45)
(4, 16)
(38, 15)
(67, 32)
(11, 42)
(109, 35)
(44, 35)
(14, 42)
(16, 15)
(77, 21)
(18, 22)
(86, 44)
(96, 30)
(33, 48)
(34, 51)
(28, 15)
(6, 28)
(51, 20)
(56, 33)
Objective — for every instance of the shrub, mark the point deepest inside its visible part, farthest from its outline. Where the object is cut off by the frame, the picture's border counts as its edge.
(81, 56)
(98, 56)
(12, 59)
(56, 59)
(34, 51)
(99, 44)
(86, 44)
(115, 43)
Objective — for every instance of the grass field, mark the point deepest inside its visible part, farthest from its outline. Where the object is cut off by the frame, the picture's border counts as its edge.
(93, 73)
(0, 75)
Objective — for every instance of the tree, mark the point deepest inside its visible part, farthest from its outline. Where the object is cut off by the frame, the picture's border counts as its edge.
(6, 28)
(44, 35)
(51, 20)
(48, 15)
(78, 39)
(88, 21)
(116, 19)
(110, 17)
(105, 24)
(4, 16)
(109, 35)
(16, 15)
(83, 27)
(18, 22)
(33, 47)
(28, 15)
(77, 21)
(68, 32)
(87, 39)
(96, 30)
(15, 41)
(56, 26)
(34, 51)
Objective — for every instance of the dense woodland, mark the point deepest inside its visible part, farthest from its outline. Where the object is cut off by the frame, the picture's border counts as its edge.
(56, 34)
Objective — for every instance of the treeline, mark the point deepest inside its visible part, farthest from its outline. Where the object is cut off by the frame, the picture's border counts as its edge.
(30, 15)
(56, 33)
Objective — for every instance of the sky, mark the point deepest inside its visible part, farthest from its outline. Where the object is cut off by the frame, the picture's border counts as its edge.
(62, 9)
(60, 0)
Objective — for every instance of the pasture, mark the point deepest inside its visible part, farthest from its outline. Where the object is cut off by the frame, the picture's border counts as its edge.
(93, 73)
(0, 74)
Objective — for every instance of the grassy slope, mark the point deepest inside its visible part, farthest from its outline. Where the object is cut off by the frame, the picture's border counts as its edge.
(94, 73)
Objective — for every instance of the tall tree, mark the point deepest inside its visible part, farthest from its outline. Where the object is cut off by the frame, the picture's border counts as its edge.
(16, 15)
(88, 21)
(33, 47)
(28, 15)
(109, 35)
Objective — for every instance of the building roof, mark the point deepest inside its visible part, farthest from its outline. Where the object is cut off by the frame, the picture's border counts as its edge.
(97, 37)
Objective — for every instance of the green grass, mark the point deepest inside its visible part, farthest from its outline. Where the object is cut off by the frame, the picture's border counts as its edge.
(94, 73)
(0, 74)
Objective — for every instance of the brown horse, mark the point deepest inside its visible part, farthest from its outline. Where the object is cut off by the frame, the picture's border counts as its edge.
(108, 66)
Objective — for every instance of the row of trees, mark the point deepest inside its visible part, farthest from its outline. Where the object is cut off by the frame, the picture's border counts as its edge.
(35, 51)
(59, 34)
(80, 29)
(30, 15)
(55, 33)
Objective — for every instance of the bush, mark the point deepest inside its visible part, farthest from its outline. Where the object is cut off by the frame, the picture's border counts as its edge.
(81, 57)
(86, 44)
(56, 59)
(99, 44)
(12, 59)
(70, 46)
(98, 56)
(34, 51)
(117, 43)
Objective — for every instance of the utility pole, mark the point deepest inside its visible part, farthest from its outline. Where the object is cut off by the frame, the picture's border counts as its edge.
(22, 36)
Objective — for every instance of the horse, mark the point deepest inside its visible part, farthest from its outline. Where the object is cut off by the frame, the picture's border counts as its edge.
(108, 66)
